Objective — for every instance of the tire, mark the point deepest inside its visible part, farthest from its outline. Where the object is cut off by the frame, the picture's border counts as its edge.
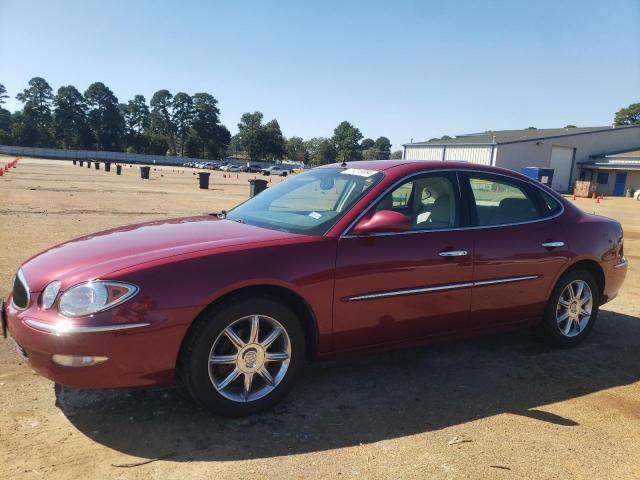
(576, 327)
(205, 380)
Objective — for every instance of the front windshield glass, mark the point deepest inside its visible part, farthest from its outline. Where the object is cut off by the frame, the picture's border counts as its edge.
(309, 203)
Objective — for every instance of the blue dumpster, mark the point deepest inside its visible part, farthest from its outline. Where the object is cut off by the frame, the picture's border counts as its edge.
(543, 175)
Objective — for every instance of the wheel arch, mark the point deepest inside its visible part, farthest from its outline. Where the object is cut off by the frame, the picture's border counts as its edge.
(288, 297)
(590, 266)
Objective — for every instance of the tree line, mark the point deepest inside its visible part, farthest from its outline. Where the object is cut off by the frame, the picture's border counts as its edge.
(178, 125)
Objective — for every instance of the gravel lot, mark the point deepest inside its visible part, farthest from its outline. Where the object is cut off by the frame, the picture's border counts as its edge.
(499, 407)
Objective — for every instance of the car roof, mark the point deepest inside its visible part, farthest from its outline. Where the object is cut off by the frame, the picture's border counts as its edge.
(403, 167)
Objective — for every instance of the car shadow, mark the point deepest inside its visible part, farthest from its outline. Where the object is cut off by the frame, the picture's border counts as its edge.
(373, 398)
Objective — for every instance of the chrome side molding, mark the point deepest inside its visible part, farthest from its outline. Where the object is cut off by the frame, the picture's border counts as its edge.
(553, 244)
(439, 288)
(453, 253)
(63, 328)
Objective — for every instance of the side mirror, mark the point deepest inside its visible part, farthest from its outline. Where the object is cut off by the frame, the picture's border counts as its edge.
(383, 221)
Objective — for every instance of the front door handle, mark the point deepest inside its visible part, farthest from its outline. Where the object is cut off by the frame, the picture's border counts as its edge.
(453, 253)
(553, 244)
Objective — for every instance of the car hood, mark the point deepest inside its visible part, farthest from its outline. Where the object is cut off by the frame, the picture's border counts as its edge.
(97, 255)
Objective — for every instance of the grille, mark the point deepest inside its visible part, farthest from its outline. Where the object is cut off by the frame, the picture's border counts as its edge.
(20, 295)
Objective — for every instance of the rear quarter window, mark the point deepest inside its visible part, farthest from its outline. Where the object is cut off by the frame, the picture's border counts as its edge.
(551, 205)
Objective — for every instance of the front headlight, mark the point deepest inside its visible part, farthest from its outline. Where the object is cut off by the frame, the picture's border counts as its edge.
(95, 296)
(49, 294)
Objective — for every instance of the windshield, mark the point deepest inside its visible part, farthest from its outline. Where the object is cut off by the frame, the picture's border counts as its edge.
(309, 203)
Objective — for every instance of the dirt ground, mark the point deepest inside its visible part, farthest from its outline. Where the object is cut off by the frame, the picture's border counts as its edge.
(499, 407)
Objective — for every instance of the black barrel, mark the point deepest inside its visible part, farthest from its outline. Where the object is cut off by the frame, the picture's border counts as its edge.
(256, 185)
(107, 166)
(82, 163)
(144, 172)
(204, 180)
(74, 162)
(118, 169)
(88, 163)
(97, 165)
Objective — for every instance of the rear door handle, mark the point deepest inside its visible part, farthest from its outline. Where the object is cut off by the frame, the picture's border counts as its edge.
(553, 244)
(453, 253)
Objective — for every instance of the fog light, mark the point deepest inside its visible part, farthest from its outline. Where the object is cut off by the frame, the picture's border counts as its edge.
(77, 360)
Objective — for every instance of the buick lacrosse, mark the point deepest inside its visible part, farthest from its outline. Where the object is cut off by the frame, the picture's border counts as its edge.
(336, 261)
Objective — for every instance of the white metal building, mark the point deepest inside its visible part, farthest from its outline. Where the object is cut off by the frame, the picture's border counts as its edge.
(563, 149)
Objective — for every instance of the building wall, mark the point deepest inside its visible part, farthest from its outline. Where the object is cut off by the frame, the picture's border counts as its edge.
(607, 189)
(537, 153)
(422, 152)
(463, 153)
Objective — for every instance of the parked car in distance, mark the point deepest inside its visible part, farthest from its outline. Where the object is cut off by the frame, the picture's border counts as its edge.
(395, 253)
(252, 168)
(231, 167)
(276, 170)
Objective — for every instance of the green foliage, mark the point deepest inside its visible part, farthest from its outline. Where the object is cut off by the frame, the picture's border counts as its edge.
(5, 118)
(321, 151)
(178, 125)
(383, 145)
(371, 154)
(531, 128)
(161, 118)
(34, 126)
(297, 150)
(104, 117)
(207, 134)
(397, 155)
(235, 147)
(3, 94)
(367, 143)
(183, 113)
(136, 123)
(273, 144)
(628, 116)
(70, 119)
(261, 141)
(570, 126)
(249, 130)
(346, 140)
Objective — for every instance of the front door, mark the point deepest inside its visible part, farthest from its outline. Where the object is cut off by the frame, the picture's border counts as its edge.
(404, 286)
(621, 181)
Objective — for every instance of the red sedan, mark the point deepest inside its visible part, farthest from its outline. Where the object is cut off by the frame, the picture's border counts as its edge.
(342, 259)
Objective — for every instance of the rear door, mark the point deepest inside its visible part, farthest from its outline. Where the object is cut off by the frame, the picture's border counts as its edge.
(519, 249)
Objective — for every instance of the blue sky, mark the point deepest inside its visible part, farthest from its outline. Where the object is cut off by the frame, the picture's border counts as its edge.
(403, 69)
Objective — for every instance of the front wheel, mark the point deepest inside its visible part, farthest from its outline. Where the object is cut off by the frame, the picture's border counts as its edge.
(572, 309)
(245, 357)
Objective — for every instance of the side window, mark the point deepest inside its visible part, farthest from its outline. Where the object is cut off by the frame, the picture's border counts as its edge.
(500, 202)
(430, 202)
(551, 204)
(603, 178)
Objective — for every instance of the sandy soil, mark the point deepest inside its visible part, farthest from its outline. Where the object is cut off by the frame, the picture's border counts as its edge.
(501, 407)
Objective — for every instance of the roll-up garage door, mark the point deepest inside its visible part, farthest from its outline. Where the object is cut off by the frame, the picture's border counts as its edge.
(562, 163)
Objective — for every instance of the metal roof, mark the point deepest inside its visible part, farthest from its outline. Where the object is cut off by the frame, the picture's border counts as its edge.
(633, 154)
(513, 136)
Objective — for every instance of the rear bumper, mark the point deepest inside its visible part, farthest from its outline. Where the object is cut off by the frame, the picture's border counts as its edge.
(140, 353)
(615, 273)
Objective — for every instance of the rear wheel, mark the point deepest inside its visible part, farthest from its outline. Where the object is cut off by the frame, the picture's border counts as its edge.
(572, 309)
(245, 357)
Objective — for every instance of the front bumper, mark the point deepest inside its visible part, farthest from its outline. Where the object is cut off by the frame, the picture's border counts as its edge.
(141, 352)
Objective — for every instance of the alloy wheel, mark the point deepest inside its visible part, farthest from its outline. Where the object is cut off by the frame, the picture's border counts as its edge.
(249, 358)
(574, 308)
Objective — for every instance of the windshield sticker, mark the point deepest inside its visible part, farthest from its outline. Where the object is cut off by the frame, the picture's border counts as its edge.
(360, 172)
(315, 215)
